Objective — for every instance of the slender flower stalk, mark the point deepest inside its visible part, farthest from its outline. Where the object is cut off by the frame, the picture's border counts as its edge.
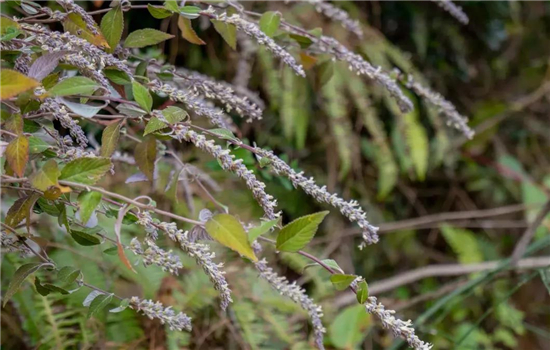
(453, 10)
(165, 314)
(92, 68)
(221, 91)
(298, 295)
(244, 66)
(60, 113)
(153, 255)
(359, 65)
(350, 209)
(229, 163)
(195, 102)
(254, 31)
(338, 15)
(53, 41)
(445, 107)
(204, 258)
(399, 328)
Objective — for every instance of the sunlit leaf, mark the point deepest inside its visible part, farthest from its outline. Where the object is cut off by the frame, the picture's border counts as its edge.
(46, 176)
(85, 170)
(87, 203)
(362, 292)
(75, 25)
(228, 231)
(187, 31)
(17, 154)
(264, 228)
(158, 12)
(297, 234)
(142, 96)
(228, 32)
(13, 83)
(341, 281)
(145, 37)
(269, 22)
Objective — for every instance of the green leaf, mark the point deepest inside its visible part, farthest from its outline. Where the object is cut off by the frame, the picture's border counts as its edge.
(87, 203)
(348, 328)
(326, 71)
(13, 83)
(99, 303)
(145, 37)
(83, 110)
(74, 86)
(142, 96)
(68, 274)
(117, 76)
(112, 25)
(329, 262)
(109, 139)
(83, 236)
(45, 177)
(464, 244)
(190, 12)
(341, 282)
(172, 5)
(174, 114)
(269, 22)
(264, 228)
(154, 124)
(85, 170)
(417, 142)
(20, 210)
(145, 155)
(158, 12)
(228, 231)
(19, 277)
(224, 134)
(303, 41)
(299, 232)
(362, 292)
(54, 288)
(37, 145)
(111, 251)
(187, 31)
(228, 32)
(40, 288)
(17, 154)
(123, 306)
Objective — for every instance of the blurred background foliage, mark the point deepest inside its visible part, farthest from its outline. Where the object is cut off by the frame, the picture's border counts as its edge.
(350, 136)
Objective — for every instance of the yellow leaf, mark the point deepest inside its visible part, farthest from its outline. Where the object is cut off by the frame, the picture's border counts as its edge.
(227, 230)
(75, 25)
(187, 31)
(307, 60)
(17, 154)
(13, 83)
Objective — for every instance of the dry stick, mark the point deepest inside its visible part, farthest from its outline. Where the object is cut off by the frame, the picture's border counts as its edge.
(441, 270)
(521, 246)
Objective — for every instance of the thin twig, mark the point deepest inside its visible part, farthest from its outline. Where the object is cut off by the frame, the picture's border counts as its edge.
(521, 246)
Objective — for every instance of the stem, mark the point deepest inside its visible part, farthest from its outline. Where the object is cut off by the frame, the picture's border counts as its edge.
(131, 201)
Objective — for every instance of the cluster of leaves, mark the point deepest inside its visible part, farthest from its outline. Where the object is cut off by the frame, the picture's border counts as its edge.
(69, 205)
